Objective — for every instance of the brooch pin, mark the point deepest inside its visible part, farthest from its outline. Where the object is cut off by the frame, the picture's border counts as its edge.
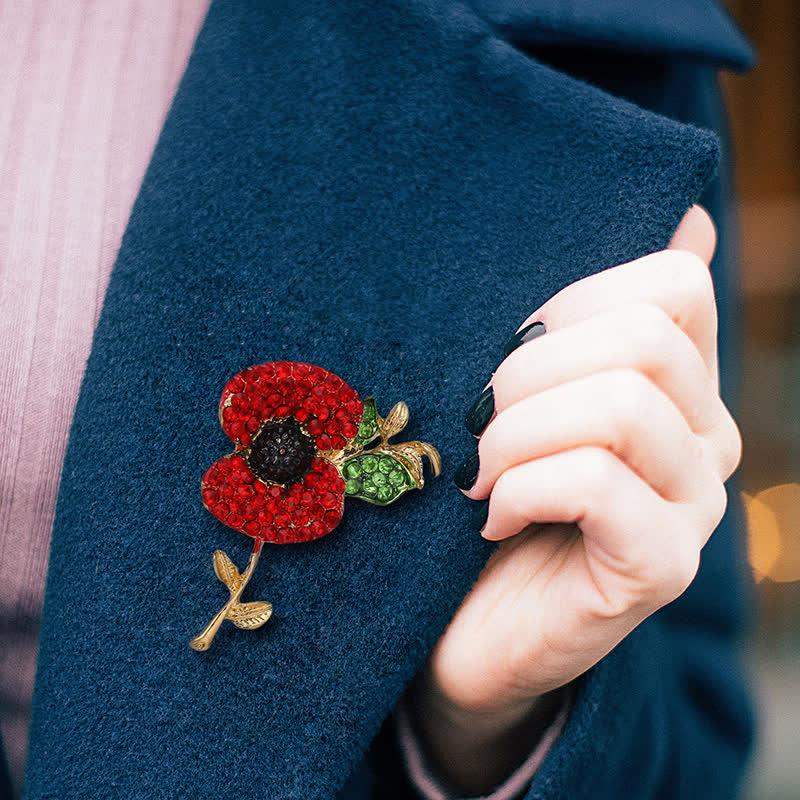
(304, 441)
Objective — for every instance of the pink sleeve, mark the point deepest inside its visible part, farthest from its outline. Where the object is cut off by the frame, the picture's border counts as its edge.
(432, 787)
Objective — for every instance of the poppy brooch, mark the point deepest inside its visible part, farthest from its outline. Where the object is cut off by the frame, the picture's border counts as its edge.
(304, 441)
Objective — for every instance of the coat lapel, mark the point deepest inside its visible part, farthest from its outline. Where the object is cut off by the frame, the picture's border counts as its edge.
(383, 189)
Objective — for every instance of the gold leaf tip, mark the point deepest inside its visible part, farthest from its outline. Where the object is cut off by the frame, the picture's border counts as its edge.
(395, 421)
(433, 457)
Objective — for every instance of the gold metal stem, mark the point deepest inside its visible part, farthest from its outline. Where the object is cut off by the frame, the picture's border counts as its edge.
(203, 640)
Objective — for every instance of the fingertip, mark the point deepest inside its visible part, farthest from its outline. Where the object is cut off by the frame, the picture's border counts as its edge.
(494, 534)
(489, 533)
(696, 233)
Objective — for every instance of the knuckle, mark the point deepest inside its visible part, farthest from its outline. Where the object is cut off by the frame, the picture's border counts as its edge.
(649, 336)
(489, 440)
(505, 378)
(669, 572)
(693, 279)
(496, 446)
(667, 562)
(717, 502)
(648, 324)
(731, 453)
(596, 478)
(679, 571)
(710, 498)
(506, 496)
(630, 396)
(691, 273)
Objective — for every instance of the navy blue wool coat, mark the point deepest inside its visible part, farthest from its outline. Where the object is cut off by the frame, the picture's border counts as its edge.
(386, 189)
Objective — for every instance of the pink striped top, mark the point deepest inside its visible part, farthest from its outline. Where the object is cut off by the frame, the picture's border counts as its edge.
(84, 89)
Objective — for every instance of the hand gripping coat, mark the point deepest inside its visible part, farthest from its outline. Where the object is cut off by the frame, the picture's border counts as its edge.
(386, 189)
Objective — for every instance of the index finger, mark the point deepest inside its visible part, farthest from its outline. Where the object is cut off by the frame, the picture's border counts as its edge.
(677, 280)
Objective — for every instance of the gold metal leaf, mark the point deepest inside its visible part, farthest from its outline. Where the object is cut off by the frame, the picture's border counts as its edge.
(412, 453)
(396, 421)
(250, 615)
(226, 570)
(433, 456)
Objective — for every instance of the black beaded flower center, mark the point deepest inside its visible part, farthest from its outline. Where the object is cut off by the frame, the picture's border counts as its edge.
(281, 452)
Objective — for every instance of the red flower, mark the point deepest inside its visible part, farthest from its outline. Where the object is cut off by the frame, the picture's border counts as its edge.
(298, 430)
(287, 420)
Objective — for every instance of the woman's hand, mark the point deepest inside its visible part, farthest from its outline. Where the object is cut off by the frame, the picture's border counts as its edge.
(604, 467)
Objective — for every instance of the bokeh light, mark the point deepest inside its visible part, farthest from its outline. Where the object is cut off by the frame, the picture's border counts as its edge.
(773, 524)
(763, 536)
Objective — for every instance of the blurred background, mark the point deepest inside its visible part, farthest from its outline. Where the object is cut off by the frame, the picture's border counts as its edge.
(765, 119)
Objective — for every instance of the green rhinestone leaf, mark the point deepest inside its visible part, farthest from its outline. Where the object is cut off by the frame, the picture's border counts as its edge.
(353, 469)
(368, 463)
(386, 464)
(397, 476)
(378, 477)
(368, 429)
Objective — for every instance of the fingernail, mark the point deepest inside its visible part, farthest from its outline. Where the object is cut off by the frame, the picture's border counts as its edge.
(481, 515)
(480, 412)
(527, 334)
(467, 472)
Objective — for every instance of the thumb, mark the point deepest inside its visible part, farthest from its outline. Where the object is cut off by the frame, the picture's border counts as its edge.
(696, 233)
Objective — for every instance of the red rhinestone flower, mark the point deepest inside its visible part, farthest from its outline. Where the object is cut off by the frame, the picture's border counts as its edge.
(304, 440)
(288, 421)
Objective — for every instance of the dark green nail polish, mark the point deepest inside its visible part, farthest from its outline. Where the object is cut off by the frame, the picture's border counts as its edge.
(467, 472)
(480, 412)
(481, 515)
(527, 334)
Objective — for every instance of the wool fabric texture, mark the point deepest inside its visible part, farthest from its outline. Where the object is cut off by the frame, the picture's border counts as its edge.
(386, 190)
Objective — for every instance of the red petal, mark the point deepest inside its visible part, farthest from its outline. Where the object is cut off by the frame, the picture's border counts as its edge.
(273, 513)
(324, 442)
(284, 388)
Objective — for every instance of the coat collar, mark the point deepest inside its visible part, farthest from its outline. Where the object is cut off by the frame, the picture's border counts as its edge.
(697, 29)
(385, 190)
